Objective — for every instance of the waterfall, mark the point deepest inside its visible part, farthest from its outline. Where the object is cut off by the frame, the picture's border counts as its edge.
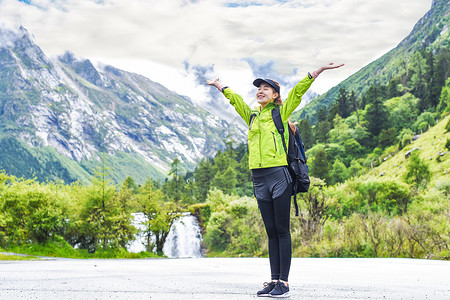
(138, 245)
(184, 239)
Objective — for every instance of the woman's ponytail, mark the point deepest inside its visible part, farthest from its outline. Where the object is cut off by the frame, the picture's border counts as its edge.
(278, 99)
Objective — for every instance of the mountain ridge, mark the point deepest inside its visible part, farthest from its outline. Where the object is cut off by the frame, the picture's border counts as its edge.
(82, 110)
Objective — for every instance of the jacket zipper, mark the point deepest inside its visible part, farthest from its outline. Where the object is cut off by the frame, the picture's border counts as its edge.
(260, 152)
(275, 142)
(259, 129)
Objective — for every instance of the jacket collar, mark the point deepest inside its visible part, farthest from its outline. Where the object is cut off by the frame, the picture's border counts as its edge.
(270, 106)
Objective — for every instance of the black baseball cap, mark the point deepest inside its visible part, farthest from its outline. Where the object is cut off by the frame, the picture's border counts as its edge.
(270, 82)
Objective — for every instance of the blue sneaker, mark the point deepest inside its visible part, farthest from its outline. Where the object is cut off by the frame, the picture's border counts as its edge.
(280, 291)
(268, 287)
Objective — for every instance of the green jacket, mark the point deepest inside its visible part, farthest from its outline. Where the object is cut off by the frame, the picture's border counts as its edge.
(264, 142)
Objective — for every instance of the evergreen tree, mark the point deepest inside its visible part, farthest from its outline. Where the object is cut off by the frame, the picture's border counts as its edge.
(203, 177)
(373, 93)
(343, 103)
(173, 188)
(441, 73)
(321, 131)
(174, 169)
(376, 116)
(334, 110)
(387, 138)
(416, 73)
(225, 180)
(319, 165)
(431, 95)
(225, 166)
(244, 184)
(392, 88)
(130, 184)
(223, 160)
(354, 102)
(240, 151)
(189, 192)
(322, 114)
(442, 66)
(95, 223)
(306, 133)
(444, 100)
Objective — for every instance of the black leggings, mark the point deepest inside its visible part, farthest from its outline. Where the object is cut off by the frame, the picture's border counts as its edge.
(273, 190)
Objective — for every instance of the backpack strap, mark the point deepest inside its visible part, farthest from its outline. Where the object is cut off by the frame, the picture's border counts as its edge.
(301, 146)
(276, 117)
(252, 116)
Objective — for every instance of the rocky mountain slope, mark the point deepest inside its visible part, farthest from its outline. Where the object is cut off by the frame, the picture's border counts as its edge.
(88, 112)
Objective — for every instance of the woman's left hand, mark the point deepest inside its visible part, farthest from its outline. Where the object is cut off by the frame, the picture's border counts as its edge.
(329, 67)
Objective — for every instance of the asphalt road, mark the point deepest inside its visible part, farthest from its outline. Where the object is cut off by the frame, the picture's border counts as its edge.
(222, 278)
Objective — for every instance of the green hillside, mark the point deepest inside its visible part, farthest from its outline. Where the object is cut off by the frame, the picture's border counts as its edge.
(431, 148)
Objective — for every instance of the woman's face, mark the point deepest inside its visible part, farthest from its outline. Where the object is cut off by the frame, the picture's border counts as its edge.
(265, 94)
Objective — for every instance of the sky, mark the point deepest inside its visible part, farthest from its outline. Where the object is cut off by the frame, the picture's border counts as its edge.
(181, 43)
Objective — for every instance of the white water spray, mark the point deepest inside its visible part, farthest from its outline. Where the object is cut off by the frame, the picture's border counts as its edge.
(138, 245)
(184, 239)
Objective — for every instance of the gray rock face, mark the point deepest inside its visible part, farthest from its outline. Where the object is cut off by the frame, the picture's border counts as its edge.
(79, 109)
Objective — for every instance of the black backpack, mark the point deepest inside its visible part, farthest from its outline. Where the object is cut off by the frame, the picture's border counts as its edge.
(296, 158)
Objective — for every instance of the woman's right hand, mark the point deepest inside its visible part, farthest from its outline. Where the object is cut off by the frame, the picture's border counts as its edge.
(215, 82)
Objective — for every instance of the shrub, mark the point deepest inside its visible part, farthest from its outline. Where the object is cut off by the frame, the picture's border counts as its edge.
(377, 196)
(417, 171)
(30, 212)
(216, 237)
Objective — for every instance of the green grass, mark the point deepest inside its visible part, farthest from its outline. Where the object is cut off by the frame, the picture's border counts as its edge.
(60, 248)
(228, 254)
(17, 257)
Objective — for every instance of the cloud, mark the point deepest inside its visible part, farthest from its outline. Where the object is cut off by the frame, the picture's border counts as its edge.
(200, 74)
(7, 36)
(235, 40)
(275, 70)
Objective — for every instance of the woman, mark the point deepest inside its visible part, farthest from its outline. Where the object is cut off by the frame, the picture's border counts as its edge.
(272, 183)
